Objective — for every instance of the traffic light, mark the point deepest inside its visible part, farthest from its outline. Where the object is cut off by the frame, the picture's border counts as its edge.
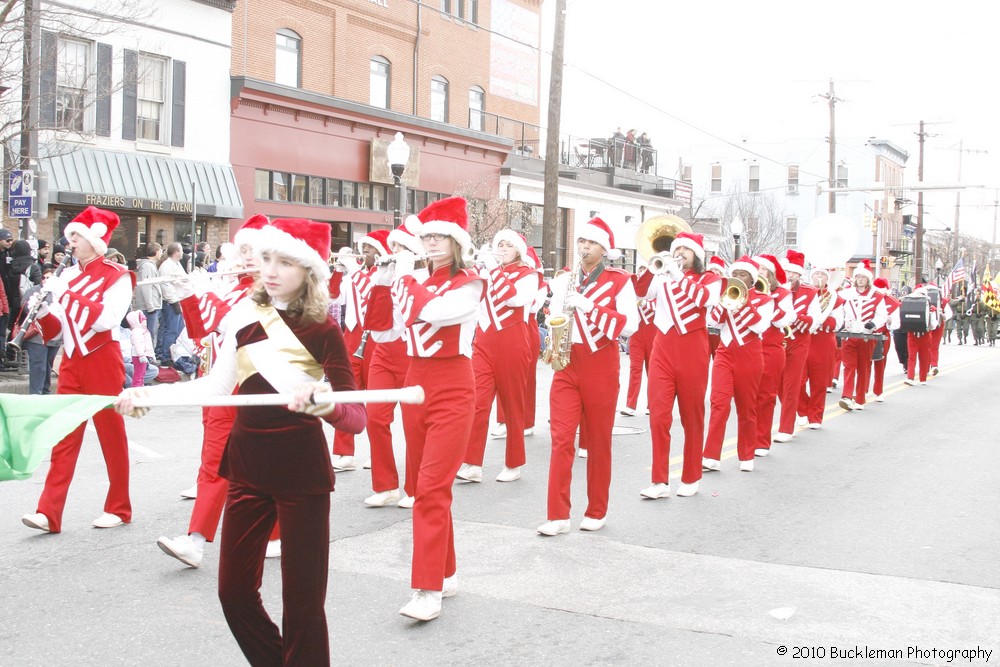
(884, 261)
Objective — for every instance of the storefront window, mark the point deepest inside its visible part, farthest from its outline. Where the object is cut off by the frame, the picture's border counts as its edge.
(379, 202)
(332, 192)
(262, 184)
(316, 191)
(298, 188)
(364, 196)
(279, 189)
(347, 199)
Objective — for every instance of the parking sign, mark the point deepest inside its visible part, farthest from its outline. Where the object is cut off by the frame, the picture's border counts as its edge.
(20, 193)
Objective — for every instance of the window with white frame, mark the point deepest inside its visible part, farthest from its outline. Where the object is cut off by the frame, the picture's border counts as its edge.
(793, 179)
(716, 178)
(686, 173)
(439, 99)
(477, 105)
(288, 58)
(791, 232)
(151, 98)
(379, 83)
(72, 74)
(841, 175)
(754, 183)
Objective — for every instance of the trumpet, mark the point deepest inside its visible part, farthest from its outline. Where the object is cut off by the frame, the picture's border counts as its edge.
(735, 296)
(659, 262)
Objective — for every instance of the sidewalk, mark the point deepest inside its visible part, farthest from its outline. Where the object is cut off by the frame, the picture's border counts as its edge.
(13, 383)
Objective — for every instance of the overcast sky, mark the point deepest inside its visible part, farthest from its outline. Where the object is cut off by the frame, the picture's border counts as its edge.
(739, 69)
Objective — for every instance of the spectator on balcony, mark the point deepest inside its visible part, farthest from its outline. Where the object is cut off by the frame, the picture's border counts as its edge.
(617, 142)
(630, 146)
(645, 153)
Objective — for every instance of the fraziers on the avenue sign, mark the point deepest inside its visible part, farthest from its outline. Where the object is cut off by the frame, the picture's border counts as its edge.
(20, 193)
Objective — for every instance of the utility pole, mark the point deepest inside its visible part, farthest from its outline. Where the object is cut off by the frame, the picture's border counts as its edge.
(996, 203)
(832, 101)
(958, 194)
(919, 245)
(30, 56)
(550, 209)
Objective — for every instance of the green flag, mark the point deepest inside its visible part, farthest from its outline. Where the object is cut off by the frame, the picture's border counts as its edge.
(30, 426)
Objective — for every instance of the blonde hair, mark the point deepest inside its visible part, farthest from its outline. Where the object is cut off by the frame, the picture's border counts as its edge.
(457, 258)
(310, 305)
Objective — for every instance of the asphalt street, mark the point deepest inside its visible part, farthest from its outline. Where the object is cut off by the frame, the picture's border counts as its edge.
(881, 530)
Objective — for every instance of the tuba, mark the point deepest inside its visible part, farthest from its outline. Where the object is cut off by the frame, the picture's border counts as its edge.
(654, 237)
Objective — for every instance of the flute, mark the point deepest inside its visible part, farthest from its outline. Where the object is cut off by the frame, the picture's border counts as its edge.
(187, 276)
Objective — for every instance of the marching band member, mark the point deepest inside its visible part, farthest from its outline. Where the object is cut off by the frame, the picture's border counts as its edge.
(501, 354)
(918, 346)
(737, 368)
(772, 349)
(534, 341)
(355, 297)
(822, 351)
(640, 346)
(206, 318)
(388, 369)
(584, 393)
(440, 316)
(277, 462)
(797, 343)
(89, 301)
(937, 333)
(717, 266)
(678, 368)
(891, 324)
(864, 313)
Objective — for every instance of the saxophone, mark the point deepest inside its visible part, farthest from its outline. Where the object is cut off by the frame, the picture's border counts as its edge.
(559, 342)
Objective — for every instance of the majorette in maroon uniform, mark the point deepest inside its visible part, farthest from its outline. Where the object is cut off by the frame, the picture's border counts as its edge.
(892, 310)
(439, 315)
(822, 352)
(737, 368)
(584, 394)
(772, 350)
(90, 299)
(678, 367)
(797, 343)
(864, 313)
(354, 297)
(502, 357)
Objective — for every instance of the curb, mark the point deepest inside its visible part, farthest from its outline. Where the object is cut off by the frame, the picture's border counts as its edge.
(18, 384)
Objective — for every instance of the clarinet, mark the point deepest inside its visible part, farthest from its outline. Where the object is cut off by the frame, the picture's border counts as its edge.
(360, 352)
(32, 315)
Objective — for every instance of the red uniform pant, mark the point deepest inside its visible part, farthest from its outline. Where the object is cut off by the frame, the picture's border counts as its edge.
(736, 375)
(640, 349)
(793, 379)
(501, 360)
(878, 367)
(773, 353)
(678, 371)
(437, 432)
(343, 443)
(819, 369)
(583, 395)
(857, 357)
(936, 336)
(305, 550)
(101, 372)
(531, 391)
(919, 347)
(387, 371)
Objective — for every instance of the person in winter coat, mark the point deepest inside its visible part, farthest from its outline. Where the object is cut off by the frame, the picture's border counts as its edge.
(149, 298)
(142, 345)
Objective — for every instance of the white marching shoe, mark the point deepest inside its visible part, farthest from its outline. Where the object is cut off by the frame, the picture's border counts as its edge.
(273, 549)
(470, 473)
(343, 463)
(449, 588)
(107, 520)
(815, 426)
(529, 431)
(499, 431)
(879, 399)
(406, 502)
(801, 420)
(627, 411)
(423, 605)
(761, 453)
(37, 521)
(847, 403)
(552, 528)
(593, 524)
(655, 491)
(783, 437)
(582, 453)
(367, 464)
(687, 490)
(182, 548)
(711, 464)
(190, 493)
(383, 498)
(509, 474)
(746, 466)
(910, 382)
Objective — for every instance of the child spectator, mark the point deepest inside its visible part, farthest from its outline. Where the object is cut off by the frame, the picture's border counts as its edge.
(142, 346)
(184, 355)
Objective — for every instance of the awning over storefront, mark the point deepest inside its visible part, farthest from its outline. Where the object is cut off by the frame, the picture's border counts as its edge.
(142, 182)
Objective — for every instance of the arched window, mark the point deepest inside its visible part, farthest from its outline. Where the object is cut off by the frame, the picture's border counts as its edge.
(439, 99)
(477, 105)
(288, 58)
(378, 80)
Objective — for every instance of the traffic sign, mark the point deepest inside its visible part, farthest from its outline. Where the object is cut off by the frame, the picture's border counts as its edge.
(20, 193)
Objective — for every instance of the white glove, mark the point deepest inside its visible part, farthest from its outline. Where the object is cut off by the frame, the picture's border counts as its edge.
(384, 274)
(346, 260)
(580, 302)
(405, 262)
(56, 285)
(674, 270)
(487, 258)
(123, 404)
(305, 399)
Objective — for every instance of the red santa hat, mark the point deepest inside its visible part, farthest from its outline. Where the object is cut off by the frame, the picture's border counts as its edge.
(305, 241)
(379, 239)
(716, 263)
(825, 272)
(863, 269)
(533, 260)
(770, 262)
(403, 235)
(795, 262)
(95, 225)
(881, 283)
(248, 230)
(599, 232)
(449, 216)
(695, 242)
(748, 264)
(516, 240)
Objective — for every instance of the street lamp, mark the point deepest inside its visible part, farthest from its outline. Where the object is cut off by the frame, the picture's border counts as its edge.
(398, 153)
(736, 227)
(938, 268)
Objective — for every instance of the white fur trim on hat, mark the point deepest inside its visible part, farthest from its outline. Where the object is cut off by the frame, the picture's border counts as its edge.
(683, 242)
(407, 240)
(516, 240)
(764, 262)
(860, 270)
(594, 233)
(92, 233)
(374, 243)
(740, 265)
(270, 238)
(449, 229)
(794, 268)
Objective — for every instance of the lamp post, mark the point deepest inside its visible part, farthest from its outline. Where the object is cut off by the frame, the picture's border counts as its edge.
(398, 153)
(938, 268)
(736, 227)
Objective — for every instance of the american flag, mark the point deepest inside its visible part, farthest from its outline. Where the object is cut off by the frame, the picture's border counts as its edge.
(957, 275)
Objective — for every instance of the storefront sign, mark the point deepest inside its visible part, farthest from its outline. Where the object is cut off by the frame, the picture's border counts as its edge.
(125, 202)
(380, 3)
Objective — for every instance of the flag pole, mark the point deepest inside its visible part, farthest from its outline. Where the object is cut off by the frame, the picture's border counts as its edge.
(404, 395)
